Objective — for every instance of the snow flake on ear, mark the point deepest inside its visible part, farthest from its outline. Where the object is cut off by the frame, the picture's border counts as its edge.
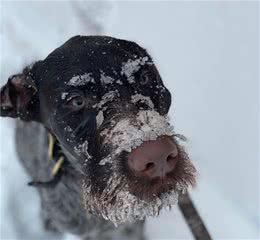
(130, 67)
(81, 80)
(105, 79)
(30, 67)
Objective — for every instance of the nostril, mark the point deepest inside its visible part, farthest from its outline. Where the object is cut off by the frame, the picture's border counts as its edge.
(149, 166)
(170, 159)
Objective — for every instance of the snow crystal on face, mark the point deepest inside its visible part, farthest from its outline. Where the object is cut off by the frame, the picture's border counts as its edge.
(63, 95)
(68, 129)
(83, 149)
(119, 82)
(144, 99)
(105, 160)
(106, 79)
(108, 97)
(99, 118)
(132, 66)
(81, 80)
(127, 134)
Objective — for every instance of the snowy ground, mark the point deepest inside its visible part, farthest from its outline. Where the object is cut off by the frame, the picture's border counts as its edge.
(207, 53)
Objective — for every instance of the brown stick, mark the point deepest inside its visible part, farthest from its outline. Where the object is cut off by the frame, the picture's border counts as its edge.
(193, 218)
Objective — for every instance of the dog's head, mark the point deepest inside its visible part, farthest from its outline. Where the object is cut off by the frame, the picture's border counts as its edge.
(105, 102)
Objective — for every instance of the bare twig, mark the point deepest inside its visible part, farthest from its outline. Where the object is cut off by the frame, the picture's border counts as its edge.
(193, 218)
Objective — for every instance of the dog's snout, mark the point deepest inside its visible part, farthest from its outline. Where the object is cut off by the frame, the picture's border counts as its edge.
(154, 158)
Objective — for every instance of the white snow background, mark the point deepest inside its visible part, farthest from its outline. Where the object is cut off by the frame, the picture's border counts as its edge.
(208, 56)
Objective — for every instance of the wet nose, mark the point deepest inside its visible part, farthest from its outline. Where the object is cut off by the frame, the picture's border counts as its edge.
(154, 158)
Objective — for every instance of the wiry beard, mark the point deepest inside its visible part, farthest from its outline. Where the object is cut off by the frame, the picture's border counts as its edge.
(127, 198)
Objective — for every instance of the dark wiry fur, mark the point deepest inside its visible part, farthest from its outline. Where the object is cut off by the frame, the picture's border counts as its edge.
(62, 206)
(116, 73)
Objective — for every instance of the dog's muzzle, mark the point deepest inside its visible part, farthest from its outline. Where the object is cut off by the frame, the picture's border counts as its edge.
(155, 169)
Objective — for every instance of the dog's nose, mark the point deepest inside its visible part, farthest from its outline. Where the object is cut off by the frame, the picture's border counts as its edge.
(154, 158)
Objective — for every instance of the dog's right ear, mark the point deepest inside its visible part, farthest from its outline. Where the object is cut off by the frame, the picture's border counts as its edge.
(18, 97)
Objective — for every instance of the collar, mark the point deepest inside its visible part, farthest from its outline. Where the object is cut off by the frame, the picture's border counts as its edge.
(55, 154)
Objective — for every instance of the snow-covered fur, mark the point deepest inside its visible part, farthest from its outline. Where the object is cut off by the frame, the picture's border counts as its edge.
(116, 201)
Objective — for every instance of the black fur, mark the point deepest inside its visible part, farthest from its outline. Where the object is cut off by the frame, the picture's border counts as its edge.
(49, 101)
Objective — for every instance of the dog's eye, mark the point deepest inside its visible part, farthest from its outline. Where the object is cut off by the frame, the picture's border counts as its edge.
(145, 77)
(76, 102)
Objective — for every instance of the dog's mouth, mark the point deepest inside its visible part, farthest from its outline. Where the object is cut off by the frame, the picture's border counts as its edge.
(133, 192)
(146, 189)
(149, 183)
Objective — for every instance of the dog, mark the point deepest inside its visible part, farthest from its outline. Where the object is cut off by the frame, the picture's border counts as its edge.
(115, 158)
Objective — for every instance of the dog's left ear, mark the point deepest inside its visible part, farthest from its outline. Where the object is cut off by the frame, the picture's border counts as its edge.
(18, 97)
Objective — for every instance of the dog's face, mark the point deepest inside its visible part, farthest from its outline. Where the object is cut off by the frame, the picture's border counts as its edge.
(105, 102)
